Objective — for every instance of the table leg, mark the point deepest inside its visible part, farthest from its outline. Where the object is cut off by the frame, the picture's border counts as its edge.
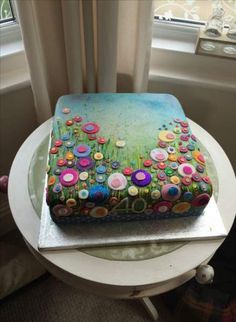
(150, 308)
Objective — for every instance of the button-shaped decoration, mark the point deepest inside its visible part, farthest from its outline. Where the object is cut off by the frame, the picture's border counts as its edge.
(69, 156)
(181, 207)
(186, 169)
(83, 194)
(167, 136)
(61, 162)
(201, 200)
(82, 150)
(54, 150)
(162, 207)
(117, 181)
(99, 193)
(61, 211)
(115, 164)
(90, 128)
(155, 194)
(127, 171)
(66, 110)
(65, 136)
(69, 122)
(147, 163)
(58, 143)
(69, 144)
(141, 178)
(120, 143)
(198, 157)
(71, 202)
(101, 140)
(175, 180)
(84, 164)
(133, 191)
(98, 212)
(101, 169)
(98, 156)
(77, 118)
(159, 155)
(83, 176)
(170, 192)
(69, 177)
(100, 178)
(57, 188)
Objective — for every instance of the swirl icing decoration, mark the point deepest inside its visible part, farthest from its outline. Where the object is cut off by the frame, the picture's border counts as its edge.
(96, 176)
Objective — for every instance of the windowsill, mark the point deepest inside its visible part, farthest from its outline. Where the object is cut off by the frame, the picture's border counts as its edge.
(173, 59)
(14, 71)
(174, 37)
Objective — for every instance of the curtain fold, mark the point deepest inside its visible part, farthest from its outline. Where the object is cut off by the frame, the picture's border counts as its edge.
(75, 46)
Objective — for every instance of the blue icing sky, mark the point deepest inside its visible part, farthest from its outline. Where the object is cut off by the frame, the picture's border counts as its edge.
(135, 118)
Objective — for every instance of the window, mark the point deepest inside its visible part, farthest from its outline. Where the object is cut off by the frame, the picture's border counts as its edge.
(192, 11)
(6, 11)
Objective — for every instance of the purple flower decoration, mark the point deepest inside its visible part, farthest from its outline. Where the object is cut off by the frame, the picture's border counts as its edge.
(85, 164)
(82, 150)
(69, 177)
(141, 178)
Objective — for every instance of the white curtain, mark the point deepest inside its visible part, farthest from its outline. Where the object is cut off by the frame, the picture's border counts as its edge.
(85, 46)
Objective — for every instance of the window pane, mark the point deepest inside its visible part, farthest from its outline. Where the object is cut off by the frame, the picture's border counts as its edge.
(198, 10)
(6, 13)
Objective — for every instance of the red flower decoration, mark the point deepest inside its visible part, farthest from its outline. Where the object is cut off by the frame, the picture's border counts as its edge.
(101, 140)
(69, 122)
(127, 171)
(90, 128)
(78, 119)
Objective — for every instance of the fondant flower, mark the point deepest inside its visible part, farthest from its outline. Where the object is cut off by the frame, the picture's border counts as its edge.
(61, 211)
(99, 212)
(201, 200)
(71, 202)
(101, 140)
(77, 119)
(84, 164)
(159, 155)
(162, 207)
(117, 181)
(98, 193)
(186, 170)
(65, 136)
(82, 150)
(69, 177)
(141, 178)
(127, 171)
(170, 192)
(181, 207)
(90, 128)
(57, 188)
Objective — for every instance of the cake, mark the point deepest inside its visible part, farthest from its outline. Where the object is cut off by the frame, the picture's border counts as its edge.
(122, 157)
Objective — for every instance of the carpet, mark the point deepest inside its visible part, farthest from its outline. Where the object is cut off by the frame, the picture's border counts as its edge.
(50, 300)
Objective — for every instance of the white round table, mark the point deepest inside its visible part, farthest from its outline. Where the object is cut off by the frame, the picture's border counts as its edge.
(119, 279)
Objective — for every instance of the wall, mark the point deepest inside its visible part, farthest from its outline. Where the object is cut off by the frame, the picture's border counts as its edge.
(17, 121)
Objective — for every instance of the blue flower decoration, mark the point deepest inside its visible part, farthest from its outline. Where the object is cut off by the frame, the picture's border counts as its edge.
(99, 193)
(65, 136)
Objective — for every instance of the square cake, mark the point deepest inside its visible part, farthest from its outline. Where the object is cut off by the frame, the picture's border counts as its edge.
(122, 157)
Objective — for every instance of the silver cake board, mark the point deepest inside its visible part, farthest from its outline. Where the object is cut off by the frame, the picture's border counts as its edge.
(209, 225)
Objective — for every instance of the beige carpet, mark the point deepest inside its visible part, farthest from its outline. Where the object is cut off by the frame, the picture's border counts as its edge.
(50, 300)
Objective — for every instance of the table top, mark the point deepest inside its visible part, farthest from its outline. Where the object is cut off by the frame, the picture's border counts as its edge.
(161, 272)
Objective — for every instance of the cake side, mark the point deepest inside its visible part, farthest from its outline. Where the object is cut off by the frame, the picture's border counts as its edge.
(124, 157)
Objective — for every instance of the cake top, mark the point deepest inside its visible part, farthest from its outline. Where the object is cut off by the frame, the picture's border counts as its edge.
(106, 147)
